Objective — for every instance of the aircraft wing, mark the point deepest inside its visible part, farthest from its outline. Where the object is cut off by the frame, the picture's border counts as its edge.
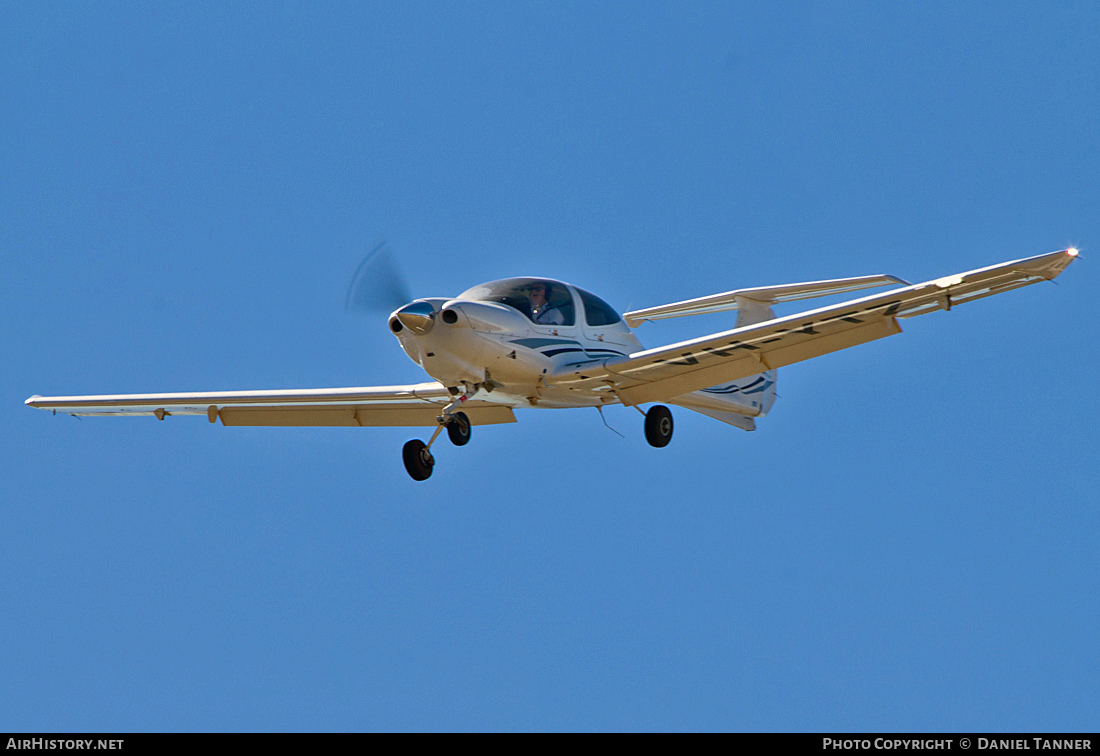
(666, 372)
(414, 405)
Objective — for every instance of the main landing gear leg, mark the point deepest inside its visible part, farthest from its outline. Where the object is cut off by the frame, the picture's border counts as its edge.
(418, 456)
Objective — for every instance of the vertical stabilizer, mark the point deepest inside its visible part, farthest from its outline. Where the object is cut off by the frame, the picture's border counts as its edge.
(738, 402)
(749, 312)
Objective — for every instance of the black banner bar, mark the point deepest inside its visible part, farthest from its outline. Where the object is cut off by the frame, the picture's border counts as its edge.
(979, 742)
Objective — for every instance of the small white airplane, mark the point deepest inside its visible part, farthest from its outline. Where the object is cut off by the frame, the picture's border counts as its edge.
(535, 342)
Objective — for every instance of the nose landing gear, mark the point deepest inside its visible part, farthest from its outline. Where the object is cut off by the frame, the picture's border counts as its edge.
(458, 429)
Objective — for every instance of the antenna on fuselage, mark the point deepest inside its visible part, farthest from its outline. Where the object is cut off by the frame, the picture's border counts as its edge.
(599, 408)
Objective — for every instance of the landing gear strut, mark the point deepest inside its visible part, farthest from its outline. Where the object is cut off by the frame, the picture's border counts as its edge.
(658, 425)
(417, 455)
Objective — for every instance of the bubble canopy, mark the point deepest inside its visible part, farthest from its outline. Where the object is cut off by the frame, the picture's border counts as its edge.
(543, 301)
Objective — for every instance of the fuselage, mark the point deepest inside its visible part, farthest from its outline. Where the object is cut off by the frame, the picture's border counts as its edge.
(505, 337)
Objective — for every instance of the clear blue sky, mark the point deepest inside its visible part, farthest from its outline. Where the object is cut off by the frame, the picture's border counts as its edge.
(908, 542)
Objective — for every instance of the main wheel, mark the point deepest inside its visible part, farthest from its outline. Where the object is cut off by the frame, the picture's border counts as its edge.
(418, 460)
(658, 426)
(458, 429)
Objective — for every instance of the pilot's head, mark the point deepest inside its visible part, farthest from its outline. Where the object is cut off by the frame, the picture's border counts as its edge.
(538, 293)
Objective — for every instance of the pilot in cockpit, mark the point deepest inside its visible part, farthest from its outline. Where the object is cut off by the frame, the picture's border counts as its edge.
(541, 310)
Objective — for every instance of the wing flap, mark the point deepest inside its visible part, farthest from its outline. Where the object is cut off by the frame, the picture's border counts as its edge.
(785, 351)
(788, 354)
(356, 417)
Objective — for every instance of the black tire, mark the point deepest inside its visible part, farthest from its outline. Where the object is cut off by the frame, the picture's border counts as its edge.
(458, 429)
(418, 460)
(658, 426)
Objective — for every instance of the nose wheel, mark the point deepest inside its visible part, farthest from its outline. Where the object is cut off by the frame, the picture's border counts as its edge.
(458, 429)
(417, 455)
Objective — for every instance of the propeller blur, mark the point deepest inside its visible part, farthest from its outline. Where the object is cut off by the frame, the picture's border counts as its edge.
(378, 285)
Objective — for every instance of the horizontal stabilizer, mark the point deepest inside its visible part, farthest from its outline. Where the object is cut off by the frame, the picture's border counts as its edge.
(730, 418)
(731, 300)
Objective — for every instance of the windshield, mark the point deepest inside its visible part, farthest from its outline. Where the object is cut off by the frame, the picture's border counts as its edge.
(541, 300)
